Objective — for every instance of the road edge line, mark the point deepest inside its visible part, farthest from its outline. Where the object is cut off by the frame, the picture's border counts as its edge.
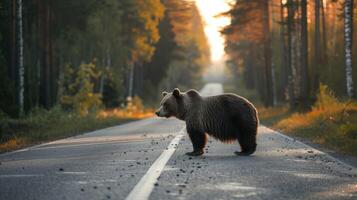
(346, 165)
(29, 148)
(144, 187)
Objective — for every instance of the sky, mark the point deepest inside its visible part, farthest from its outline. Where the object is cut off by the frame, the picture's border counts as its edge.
(209, 9)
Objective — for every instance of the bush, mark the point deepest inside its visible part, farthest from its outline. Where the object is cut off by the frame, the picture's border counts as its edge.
(330, 122)
(113, 90)
(326, 99)
(79, 95)
(38, 115)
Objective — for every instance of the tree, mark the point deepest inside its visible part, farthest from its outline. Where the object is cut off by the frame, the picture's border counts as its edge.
(79, 89)
(300, 65)
(191, 52)
(283, 55)
(20, 44)
(7, 99)
(292, 53)
(248, 46)
(348, 30)
(156, 70)
(317, 47)
(141, 19)
(304, 53)
(267, 55)
(106, 34)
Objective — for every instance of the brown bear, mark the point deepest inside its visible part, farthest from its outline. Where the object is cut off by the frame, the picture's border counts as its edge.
(226, 117)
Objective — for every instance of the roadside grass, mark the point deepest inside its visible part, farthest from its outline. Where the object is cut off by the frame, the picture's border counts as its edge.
(331, 122)
(269, 116)
(334, 127)
(43, 126)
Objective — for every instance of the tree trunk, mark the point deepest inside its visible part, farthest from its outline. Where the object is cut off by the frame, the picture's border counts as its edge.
(131, 81)
(348, 11)
(47, 62)
(294, 66)
(317, 47)
(324, 36)
(283, 56)
(39, 48)
(334, 30)
(304, 92)
(290, 23)
(272, 62)
(102, 77)
(139, 80)
(13, 69)
(53, 69)
(20, 58)
(267, 56)
(107, 62)
(297, 53)
(249, 73)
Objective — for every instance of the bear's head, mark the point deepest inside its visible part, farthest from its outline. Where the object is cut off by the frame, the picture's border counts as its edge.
(176, 104)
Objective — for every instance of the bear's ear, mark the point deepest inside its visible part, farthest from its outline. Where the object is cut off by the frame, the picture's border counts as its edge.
(192, 93)
(164, 93)
(176, 93)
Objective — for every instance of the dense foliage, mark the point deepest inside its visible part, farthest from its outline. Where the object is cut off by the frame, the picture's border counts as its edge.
(285, 49)
(89, 52)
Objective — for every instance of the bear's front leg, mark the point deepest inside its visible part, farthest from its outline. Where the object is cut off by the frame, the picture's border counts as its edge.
(199, 140)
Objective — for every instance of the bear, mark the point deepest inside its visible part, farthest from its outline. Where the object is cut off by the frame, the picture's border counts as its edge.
(226, 117)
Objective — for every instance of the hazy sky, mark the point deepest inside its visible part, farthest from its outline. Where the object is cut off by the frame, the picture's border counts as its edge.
(209, 9)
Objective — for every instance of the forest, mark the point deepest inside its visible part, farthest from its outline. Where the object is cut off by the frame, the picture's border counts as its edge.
(296, 58)
(70, 66)
(89, 54)
(284, 49)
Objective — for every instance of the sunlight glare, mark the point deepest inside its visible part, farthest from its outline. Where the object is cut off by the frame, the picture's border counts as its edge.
(209, 9)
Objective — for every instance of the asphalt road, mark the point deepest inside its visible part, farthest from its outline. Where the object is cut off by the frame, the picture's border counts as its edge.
(136, 160)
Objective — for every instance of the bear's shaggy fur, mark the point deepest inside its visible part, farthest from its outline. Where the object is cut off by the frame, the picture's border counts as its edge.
(226, 117)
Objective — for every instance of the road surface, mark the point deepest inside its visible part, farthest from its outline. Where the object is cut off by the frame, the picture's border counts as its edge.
(146, 160)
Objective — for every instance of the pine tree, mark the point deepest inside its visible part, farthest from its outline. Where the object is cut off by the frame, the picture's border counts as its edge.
(304, 92)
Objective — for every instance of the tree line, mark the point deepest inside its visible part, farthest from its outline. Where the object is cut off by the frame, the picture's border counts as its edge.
(284, 49)
(92, 52)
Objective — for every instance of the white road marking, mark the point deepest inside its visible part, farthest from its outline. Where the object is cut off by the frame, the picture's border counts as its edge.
(144, 187)
(72, 173)
(19, 175)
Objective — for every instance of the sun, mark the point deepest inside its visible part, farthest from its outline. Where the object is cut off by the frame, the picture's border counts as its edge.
(209, 9)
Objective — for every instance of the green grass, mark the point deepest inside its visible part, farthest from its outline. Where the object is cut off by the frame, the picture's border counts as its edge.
(42, 126)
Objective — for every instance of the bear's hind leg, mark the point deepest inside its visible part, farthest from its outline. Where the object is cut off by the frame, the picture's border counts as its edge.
(247, 144)
(199, 140)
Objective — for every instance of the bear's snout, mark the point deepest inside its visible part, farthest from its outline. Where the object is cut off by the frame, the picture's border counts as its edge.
(161, 112)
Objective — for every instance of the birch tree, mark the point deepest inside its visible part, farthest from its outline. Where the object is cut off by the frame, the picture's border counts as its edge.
(348, 11)
(20, 59)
